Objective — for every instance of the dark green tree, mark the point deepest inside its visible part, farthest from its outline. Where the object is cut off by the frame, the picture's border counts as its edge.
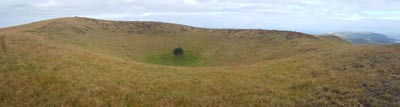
(178, 51)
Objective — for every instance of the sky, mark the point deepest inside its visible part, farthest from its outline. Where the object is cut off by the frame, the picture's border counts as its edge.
(308, 16)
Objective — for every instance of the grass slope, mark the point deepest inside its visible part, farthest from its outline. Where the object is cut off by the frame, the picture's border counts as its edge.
(89, 62)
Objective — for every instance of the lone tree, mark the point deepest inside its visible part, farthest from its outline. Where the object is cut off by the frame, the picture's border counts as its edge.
(178, 51)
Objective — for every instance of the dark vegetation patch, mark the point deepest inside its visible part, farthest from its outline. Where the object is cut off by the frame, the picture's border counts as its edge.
(382, 92)
(3, 44)
(332, 96)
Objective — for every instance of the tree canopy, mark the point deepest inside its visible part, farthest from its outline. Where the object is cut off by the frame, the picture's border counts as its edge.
(178, 51)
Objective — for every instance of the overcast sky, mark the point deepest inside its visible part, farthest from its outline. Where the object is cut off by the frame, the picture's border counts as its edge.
(309, 16)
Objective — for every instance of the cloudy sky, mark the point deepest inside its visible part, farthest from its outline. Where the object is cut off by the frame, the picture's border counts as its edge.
(309, 16)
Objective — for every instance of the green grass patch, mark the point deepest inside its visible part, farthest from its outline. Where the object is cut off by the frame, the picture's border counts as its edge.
(189, 59)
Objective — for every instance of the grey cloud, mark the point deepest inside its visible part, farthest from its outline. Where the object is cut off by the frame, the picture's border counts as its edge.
(299, 15)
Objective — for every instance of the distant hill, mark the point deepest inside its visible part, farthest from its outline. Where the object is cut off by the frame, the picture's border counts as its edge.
(91, 62)
(365, 37)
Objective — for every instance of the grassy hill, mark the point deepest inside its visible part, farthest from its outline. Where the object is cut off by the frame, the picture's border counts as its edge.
(365, 38)
(90, 62)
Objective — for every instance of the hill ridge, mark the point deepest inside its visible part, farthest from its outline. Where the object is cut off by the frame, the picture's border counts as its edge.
(84, 23)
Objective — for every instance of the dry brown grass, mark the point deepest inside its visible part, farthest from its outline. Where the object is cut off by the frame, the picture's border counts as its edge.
(87, 62)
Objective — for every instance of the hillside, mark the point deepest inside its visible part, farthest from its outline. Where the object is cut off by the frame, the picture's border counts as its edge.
(91, 62)
(365, 38)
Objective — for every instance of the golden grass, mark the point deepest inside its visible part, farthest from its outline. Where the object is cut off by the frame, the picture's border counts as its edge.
(87, 62)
